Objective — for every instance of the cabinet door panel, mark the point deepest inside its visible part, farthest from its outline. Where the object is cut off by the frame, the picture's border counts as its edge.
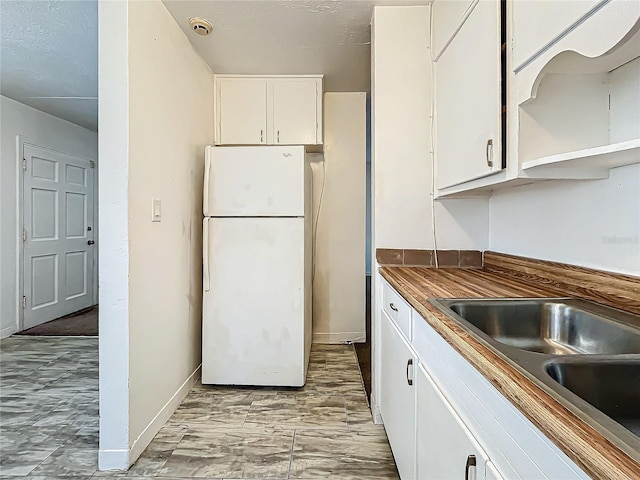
(468, 99)
(294, 111)
(536, 23)
(449, 15)
(242, 107)
(491, 473)
(398, 398)
(444, 444)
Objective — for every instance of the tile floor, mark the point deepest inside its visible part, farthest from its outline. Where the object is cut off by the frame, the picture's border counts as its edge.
(49, 416)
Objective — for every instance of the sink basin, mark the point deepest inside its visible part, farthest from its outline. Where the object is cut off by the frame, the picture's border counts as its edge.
(585, 355)
(612, 387)
(551, 326)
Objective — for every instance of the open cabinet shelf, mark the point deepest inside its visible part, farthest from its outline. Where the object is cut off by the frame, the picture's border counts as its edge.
(587, 163)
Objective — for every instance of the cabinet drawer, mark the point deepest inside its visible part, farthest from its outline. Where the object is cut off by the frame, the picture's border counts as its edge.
(397, 308)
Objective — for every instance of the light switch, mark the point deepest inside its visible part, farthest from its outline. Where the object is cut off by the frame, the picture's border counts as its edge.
(156, 212)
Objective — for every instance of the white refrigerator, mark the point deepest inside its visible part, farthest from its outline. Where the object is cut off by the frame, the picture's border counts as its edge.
(257, 262)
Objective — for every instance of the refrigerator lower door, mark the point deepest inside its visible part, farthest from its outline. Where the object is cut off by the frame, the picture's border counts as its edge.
(256, 308)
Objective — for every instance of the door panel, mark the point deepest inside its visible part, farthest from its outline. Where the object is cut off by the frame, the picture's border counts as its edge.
(468, 99)
(44, 271)
(254, 301)
(398, 398)
(294, 111)
(444, 442)
(57, 216)
(242, 114)
(255, 181)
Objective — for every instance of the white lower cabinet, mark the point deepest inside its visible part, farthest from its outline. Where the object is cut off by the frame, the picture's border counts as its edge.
(398, 396)
(446, 421)
(445, 447)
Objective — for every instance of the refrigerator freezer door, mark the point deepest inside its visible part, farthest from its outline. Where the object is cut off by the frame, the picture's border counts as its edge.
(256, 312)
(254, 181)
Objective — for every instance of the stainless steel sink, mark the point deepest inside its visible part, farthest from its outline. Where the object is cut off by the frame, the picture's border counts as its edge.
(585, 355)
(611, 386)
(550, 326)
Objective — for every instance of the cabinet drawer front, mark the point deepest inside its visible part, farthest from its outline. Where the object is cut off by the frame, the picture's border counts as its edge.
(397, 308)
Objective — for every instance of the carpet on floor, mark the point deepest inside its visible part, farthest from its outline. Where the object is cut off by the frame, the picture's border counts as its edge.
(78, 324)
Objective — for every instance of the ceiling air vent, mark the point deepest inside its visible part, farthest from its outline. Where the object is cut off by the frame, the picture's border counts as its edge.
(200, 26)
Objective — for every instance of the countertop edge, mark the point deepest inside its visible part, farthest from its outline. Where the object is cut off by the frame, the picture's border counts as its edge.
(588, 448)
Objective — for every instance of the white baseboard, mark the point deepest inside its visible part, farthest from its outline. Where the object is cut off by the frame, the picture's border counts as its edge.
(340, 337)
(144, 439)
(113, 460)
(8, 331)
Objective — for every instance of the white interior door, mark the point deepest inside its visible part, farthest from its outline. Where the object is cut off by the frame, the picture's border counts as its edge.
(58, 240)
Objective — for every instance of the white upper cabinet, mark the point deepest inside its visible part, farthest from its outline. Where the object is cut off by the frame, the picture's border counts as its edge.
(242, 111)
(468, 94)
(295, 111)
(538, 23)
(268, 110)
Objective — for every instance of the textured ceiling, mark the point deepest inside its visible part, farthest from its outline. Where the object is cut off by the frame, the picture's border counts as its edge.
(49, 49)
(49, 57)
(331, 37)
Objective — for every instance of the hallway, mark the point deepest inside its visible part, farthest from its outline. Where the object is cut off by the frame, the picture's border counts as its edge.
(49, 419)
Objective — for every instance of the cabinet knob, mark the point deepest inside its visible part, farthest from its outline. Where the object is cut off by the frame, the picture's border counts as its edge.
(409, 379)
(489, 152)
(471, 462)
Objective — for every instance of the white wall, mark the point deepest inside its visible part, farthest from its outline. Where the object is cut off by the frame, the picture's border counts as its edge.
(339, 284)
(594, 224)
(402, 162)
(400, 104)
(171, 121)
(46, 131)
(168, 123)
(113, 122)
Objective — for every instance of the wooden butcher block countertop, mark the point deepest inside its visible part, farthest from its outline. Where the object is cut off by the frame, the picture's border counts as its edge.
(509, 276)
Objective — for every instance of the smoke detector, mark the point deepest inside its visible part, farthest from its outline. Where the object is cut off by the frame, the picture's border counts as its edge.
(200, 26)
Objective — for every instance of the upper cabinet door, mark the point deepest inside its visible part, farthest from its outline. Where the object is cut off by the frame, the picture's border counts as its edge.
(295, 111)
(468, 98)
(242, 111)
(537, 23)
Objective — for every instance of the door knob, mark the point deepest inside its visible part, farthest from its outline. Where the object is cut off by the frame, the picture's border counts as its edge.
(90, 242)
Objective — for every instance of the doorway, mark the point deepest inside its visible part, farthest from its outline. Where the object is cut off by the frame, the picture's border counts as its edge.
(57, 262)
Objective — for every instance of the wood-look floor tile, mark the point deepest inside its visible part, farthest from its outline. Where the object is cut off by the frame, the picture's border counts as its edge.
(231, 454)
(298, 411)
(69, 462)
(345, 455)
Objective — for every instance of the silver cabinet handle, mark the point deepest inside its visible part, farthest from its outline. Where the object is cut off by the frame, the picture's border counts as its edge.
(489, 149)
(278, 135)
(393, 307)
(471, 462)
(409, 364)
(261, 136)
